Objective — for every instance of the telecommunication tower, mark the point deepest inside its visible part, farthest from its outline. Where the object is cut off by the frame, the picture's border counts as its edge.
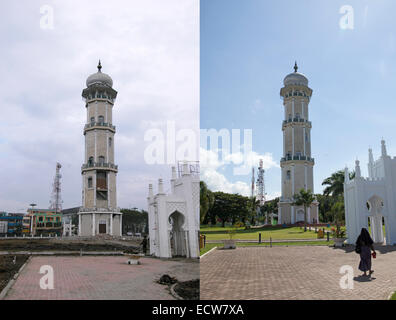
(56, 199)
(252, 194)
(260, 184)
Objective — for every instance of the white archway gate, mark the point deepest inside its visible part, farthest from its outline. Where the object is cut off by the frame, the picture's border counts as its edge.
(376, 204)
(177, 235)
(174, 217)
(371, 202)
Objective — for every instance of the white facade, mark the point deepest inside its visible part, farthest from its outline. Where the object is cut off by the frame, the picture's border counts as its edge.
(372, 198)
(174, 217)
(99, 213)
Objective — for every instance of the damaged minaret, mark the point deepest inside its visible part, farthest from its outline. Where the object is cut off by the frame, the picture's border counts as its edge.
(99, 214)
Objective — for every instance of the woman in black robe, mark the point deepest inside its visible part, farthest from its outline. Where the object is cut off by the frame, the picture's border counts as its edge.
(365, 243)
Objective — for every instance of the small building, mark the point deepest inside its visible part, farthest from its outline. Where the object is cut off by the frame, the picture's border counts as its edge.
(11, 223)
(26, 225)
(69, 217)
(46, 222)
(3, 227)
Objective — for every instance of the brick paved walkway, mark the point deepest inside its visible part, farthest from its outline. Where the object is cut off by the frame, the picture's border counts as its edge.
(101, 278)
(306, 272)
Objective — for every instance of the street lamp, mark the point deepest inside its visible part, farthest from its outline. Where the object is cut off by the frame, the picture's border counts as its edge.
(31, 218)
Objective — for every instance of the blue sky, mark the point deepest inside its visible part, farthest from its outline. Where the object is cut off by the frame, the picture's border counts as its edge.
(248, 47)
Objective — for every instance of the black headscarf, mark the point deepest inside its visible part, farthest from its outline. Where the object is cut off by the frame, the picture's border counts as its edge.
(364, 238)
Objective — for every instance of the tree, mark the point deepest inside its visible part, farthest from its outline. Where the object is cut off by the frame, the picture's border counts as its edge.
(206, 199)
(335, 183)
(134, 220)
(228, 207)
(305, 199)
(254, 204)
(270, 206)
(338, 210)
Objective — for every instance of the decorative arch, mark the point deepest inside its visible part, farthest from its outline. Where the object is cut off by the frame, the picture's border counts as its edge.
(300, 215)
(177, 234)
(375, 205)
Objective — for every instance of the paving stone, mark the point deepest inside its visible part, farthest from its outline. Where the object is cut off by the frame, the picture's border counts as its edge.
(289, 273)
(99, 278)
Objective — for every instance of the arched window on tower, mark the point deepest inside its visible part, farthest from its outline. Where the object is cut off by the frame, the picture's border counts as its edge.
(101, 160)
(90, 182)
(288, 174)
(110, 142)
(101, 119)
(92, 120)
(90, 161)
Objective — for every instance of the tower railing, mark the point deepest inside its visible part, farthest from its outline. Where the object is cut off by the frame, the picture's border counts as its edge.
(99, 165)
(297, 157)
(296, 120)
(99, 124)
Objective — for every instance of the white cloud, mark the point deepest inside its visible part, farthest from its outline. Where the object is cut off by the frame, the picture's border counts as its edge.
(150, 49)
(216, 181)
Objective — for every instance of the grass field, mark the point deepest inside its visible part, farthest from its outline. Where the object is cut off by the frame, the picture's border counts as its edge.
(208, 247)
(247, 244)
(393, 296)
(276, 232)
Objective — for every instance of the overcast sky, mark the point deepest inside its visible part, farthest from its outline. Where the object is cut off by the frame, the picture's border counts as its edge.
(248, 47)
(151, 50)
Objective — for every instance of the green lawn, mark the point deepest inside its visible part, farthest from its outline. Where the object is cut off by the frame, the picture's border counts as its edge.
(276, 232)
(295, 243)
(393, 296)
(208, 247)
(246, 244)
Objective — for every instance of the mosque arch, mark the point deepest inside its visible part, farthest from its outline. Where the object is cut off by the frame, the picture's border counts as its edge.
(376, 219)
(177, 234)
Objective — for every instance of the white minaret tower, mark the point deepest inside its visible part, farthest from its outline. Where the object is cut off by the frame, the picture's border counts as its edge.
(297, 162)
(99, 214)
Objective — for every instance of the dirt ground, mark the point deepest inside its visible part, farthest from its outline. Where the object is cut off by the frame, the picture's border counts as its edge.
(188, 290)
(8, 268)
(36, 245)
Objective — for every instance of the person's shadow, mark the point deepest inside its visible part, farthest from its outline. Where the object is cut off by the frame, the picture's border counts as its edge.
(362, 278)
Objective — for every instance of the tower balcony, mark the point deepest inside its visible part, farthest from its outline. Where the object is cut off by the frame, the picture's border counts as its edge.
(99, 125)
(297, 158)
(297, 120)
(99, 166)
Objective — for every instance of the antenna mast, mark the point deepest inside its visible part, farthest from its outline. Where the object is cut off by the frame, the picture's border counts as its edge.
(252, 195)
(56, 200)
(260, 184)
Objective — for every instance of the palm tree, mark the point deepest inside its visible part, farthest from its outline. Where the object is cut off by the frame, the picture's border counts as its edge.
(255, 203)
(269, 207)
(304, 198)
(335, 183)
